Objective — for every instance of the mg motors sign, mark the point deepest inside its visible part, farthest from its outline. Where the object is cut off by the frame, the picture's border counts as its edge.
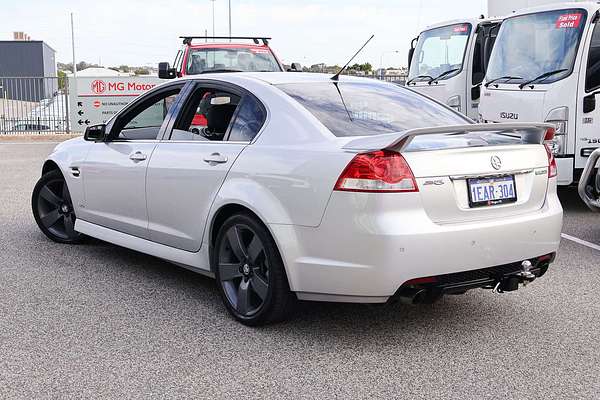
(96, 100)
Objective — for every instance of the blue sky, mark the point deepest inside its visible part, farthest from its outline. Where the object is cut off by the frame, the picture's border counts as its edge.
(310, 31)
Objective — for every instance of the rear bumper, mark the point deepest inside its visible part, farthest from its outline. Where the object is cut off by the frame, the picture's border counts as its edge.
(368, 246)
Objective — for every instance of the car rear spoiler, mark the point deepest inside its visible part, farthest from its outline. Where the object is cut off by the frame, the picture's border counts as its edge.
(530, 133)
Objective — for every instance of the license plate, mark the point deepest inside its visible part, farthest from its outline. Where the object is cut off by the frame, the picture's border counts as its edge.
(491, 191)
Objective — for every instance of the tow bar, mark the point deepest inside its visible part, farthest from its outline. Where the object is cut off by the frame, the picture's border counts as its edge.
(511, 282)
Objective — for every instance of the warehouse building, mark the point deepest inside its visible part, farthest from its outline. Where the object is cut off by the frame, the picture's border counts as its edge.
(26, 58)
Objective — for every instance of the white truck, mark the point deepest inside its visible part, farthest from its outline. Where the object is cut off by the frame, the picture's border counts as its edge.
(545, 66)
(447, 61)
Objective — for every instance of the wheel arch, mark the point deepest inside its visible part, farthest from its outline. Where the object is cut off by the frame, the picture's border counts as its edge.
(227, 210)
(50, 165)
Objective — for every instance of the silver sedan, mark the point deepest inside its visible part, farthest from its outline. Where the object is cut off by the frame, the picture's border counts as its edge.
(287, 186)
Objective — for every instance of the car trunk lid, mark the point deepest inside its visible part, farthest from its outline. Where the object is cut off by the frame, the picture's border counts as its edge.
(449, 163)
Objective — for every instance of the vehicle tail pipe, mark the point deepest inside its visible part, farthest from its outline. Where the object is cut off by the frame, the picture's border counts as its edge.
(411, 295)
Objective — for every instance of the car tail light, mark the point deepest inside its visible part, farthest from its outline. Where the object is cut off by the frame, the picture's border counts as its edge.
(552, 168)
(378, 171)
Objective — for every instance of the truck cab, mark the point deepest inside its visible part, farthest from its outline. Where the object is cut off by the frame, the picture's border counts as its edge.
(545, 67)
(221, 55)
(448, 62)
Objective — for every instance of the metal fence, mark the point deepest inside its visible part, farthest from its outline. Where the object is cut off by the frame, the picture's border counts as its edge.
(33, 105)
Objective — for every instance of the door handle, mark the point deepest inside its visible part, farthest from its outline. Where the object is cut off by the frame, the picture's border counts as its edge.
(215, 158)
(137, 156)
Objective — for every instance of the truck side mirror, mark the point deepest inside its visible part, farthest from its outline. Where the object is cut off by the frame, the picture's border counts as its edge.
(165, 71)
(295, 67)
(411, 51)
(589, 103)
(95, 133)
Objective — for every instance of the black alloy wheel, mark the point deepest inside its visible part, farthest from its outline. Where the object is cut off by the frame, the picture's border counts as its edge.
(53, 209)
(250, 273)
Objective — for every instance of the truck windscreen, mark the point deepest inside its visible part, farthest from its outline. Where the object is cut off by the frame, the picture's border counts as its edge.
(440, 50)
(244, 59)
(533, 45)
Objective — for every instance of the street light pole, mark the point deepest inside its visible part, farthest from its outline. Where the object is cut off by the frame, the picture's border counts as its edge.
(230, 21)
(213, 17)
(73, 47)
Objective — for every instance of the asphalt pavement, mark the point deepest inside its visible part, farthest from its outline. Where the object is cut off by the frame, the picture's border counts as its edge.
(100, 321)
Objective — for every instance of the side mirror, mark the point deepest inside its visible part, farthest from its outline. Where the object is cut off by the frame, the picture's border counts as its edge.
(165, 71)
(95, 133)
(411, 53)
(589, 103)
(476, 92)
(295, 67)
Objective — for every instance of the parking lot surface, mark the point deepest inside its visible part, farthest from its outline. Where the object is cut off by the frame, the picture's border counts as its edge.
(100, 321)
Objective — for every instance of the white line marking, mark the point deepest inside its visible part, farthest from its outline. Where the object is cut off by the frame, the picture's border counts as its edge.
(580, 241)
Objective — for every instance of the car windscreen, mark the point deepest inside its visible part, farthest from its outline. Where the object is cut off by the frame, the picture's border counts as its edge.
(365, 108)
(244, 59)
(529, 46)
(440, 51)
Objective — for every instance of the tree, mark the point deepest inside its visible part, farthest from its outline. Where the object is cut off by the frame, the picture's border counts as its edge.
(62, 79)
(124, 68)
(366, 67)
(141, 71)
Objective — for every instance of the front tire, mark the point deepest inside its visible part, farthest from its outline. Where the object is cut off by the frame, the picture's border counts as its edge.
(53, 209)
(250, 273)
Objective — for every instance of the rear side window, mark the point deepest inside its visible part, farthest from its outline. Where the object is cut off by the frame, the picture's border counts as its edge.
(249, 120)
(364, 108)
(592, 80)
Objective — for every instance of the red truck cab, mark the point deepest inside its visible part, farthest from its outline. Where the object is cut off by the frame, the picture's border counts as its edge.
(215, 57)
(219, 57)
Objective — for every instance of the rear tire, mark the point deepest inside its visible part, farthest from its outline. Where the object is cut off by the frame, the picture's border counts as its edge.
(53, 209)
(250, 273)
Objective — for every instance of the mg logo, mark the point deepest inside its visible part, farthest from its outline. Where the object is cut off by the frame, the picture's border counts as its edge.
(496, 162)
(98, 86)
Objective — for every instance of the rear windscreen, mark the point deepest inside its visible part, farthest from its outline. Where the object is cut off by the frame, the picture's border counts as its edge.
(365, 108)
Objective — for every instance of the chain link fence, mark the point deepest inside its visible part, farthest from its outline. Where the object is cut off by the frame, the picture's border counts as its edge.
(33, 105)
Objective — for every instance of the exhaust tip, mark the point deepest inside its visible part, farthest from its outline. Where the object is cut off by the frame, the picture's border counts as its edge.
(412, 296)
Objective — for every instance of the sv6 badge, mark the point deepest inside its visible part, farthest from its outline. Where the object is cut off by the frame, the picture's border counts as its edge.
(509, 115)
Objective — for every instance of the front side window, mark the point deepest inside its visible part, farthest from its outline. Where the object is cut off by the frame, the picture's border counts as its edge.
(207, 115)
(144, 120)
(592, 77)
(365, 108)
(440, 51)
(537, 45)
(243, 59)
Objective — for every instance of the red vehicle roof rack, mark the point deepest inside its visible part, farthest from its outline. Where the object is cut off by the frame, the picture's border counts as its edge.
(188, 39)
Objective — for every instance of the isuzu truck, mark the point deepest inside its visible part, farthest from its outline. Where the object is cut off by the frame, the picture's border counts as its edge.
(545, 67)
(448, 61)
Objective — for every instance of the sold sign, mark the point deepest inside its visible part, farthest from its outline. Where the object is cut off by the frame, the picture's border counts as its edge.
(568, 21)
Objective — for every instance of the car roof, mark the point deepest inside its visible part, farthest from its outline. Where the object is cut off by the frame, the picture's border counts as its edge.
(280, 78)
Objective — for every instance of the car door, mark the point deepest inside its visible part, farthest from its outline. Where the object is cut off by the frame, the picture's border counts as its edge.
(114, 170)
(588, 114)
(189, 166)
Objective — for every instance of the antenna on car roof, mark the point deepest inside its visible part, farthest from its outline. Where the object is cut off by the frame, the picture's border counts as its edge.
(337, 75)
